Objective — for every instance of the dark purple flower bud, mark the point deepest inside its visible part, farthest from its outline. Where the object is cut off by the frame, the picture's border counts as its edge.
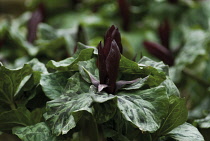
(114, 34)
(112, 66)
(124, 8)
(160, 52)
(164, 33)
(36, 18)
(108, 59)
(102, 64)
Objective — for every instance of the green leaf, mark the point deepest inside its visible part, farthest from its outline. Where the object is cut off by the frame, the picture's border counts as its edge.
(71, 63)
(195, 40)
(87, 68)
(105, 106)
(18, 37)
(37, 132)
(54, 84)
(154, 71)
(177, 115)
(170, 86)
(76, 85)
(16, 117)
(203, 123)
(37, 66)
(186, 132)
(144, 108)
(160, 66)
(12, 81)
(63, 114)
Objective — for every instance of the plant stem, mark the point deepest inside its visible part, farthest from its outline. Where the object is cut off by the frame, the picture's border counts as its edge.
(198, 79)
(12, 106)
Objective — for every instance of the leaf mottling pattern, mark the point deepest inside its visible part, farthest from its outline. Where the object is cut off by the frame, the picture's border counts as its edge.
(144, 108)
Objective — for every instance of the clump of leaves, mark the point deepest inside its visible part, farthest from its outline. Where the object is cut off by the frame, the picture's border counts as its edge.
(97, 94)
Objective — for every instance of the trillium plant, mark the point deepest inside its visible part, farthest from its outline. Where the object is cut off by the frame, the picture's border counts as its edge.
(96, 95)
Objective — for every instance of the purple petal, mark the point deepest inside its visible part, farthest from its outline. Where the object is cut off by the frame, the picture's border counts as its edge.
(112, 66)
(164, 33)
(101, 87)
(94, 81)
(101, 64)
(160, 52)
(116, 36)
(124, 8)
(109, 32)
(122, 83)
(36, 18)
(107, 46)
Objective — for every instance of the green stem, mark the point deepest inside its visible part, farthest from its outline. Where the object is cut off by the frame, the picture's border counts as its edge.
(202, 82)
(12, 106)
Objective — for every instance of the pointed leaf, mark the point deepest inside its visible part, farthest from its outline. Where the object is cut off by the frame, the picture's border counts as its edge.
(156, 74)
(71, 63)
(144, 108)
(88, 70)
(177, 115)
(186, 132)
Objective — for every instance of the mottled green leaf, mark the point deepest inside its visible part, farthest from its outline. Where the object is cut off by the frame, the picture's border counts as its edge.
(54, 84)
(18, 37)
(203, 123)
(37, 132)
(71, 63)
(105, 106)
(186, 132)
(158, 65)
(37, 66)
(155, 75)
(63, 114)
(87, 68)
(171, 87)
(177, 115)
(193, 51)
(76, 85)
(144, 108)
(12, 81)
(16, 117)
